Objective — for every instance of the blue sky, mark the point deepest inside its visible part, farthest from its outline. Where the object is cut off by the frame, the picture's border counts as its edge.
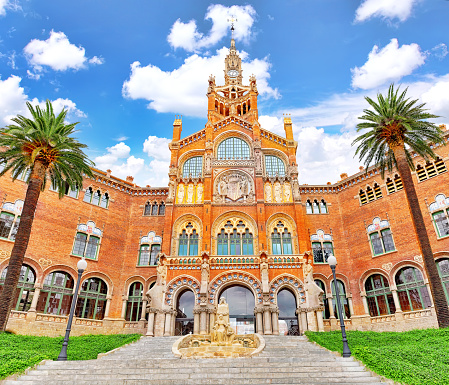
(125, 69)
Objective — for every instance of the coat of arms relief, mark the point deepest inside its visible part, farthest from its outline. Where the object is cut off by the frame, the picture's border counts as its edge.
(234, 186)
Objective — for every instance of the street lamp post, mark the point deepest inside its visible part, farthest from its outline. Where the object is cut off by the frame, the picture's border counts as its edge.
(81, 265)
(346, 351)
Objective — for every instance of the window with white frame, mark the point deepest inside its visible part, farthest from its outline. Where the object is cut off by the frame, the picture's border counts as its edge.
(235, 239)
(96, 197)
(281, 240)
(188, 241)
(315, 206)
(71, 192)
(149, 248)
(87, 241)
(394, 184)
(233, 148)
(440, 215)
(193, 167)
(381, 238)
(274, 166)
(10, 219)
(322, 246)
(430, 169)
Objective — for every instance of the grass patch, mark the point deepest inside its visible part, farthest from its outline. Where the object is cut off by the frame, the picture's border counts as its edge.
(418, 357)
(19, 352)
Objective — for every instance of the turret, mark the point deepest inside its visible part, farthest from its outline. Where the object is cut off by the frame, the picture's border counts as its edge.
(177, 128)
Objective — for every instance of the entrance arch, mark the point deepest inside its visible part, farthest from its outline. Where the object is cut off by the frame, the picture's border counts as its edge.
(184, 313)
(241, 303)
(288, 321)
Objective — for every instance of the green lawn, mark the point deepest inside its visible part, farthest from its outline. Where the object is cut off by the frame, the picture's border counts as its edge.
(418, 357)
(20, 352)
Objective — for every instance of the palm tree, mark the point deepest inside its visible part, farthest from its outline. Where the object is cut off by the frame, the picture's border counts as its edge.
(397, 127)
(44, 146)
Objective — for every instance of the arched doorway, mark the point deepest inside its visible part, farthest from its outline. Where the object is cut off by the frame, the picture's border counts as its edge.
(241, 308)
(288, 321)
(184, 313)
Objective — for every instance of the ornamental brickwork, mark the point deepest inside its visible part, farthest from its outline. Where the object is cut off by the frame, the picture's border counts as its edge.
(232, 216)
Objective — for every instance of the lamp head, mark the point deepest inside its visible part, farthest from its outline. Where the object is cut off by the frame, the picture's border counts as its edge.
(332, 261)
(82, 264)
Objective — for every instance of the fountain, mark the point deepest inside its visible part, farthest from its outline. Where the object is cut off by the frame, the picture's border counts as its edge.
(222, 342)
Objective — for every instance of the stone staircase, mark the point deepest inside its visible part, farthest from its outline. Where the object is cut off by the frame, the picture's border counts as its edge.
(285, 360)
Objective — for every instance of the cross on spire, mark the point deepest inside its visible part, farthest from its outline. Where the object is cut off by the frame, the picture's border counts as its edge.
(232, 20)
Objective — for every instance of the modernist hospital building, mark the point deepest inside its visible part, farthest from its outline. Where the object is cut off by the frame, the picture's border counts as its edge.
(232, 222)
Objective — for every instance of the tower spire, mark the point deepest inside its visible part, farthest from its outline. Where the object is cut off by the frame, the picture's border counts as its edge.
(232, 20)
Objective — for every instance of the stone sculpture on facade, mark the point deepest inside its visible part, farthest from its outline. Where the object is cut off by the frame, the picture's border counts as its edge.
(199, 193)
(234, 187)
(268, 193)
(180, 193)
(190, 190)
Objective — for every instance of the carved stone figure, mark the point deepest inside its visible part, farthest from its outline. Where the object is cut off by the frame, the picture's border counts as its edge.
(208, 163)
(190, 189)
(211, 87)
(244, 187)
(161, 270)
(287, 192)
(268, 193)
(223, 187)
(296, 195)
(199, 193)
(258, 160)
(223, 308)
(180, 193)
(232, 109)
(222, 333)
(264, 276)
(277, 192)
(171, 189)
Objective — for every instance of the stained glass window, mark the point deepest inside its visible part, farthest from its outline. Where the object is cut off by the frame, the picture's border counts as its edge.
(193, 167)
(274, 166)
(233, 148)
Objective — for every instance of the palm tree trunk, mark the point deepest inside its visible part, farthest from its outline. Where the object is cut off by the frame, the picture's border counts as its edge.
(7, 296)
(436, 287)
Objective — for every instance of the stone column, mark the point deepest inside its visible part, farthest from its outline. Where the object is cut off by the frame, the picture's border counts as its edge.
(37, 291)
(211, 320)
(196, 322)
(150, 329)
(144, 310)
(167, 331)
(397, 304)
(159, 324)
(124, 302)
(275, 322)
(319, 318)
(108, 306)
(259, 323)
(331, 306)
(203, 322)
(311, 320)
(303, 319)
(365, 303)
(267, 321)
(430, 293)
(351, 308)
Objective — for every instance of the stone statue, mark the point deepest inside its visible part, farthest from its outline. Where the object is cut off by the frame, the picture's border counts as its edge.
(208, 163)
(296, 194)
(190, 193)
(205, 269)
(161, 270)
(287, 192)
(223, 308)
(258, 160)
(211, 87)
(313, 291)
(171, 189)
(277, 192)
(222, 333)
(223, 187)
(180, 193)
(244, 187)
(264, 276)
(199, 193)
(308, 271)
(268, 193)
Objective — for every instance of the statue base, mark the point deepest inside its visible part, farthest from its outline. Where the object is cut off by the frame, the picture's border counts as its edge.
(201, 346)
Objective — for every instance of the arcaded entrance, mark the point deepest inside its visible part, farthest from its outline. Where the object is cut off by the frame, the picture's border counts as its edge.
(241, 308)
(288, 321)
(184, 313)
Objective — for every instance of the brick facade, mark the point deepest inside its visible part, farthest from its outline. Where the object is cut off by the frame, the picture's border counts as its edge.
(236, 189)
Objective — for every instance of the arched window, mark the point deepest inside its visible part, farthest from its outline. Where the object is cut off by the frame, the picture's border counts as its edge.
(96, 198)
(184, 313)
(431, 169)
(154, 209)
(443, 271)
(87, 241)
(73, 193)
(378, 295)
(281, 240)
(25, 287)
(394, 185)
(309, 207)
(162, 208)
(188, 241)
(322, 246)
(322, 286)
(147, 210)
(235, 240)
(440, 215)
(193, 167)
(92, 299)
(343, 300)
(288, 321)
(412, 291)
(316, 206)
(150, 247)
(10, 219)
(134, 303)
(233, 148)
(380, 236)
(274, 166)
(56, 294)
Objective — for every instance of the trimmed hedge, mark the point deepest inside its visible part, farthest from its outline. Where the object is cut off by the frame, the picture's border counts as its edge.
(18, 352)
(418, 357)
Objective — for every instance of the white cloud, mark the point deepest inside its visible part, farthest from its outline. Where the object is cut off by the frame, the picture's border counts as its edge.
(8, 5)
(32, 75)
(440, 50)
(388, 64)
(385, 9)
(13, 101)
(57, 53)
(186, 35)
(3, 6)
(157, 148)
(437, 98)
(157, 173)
(190, 82)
